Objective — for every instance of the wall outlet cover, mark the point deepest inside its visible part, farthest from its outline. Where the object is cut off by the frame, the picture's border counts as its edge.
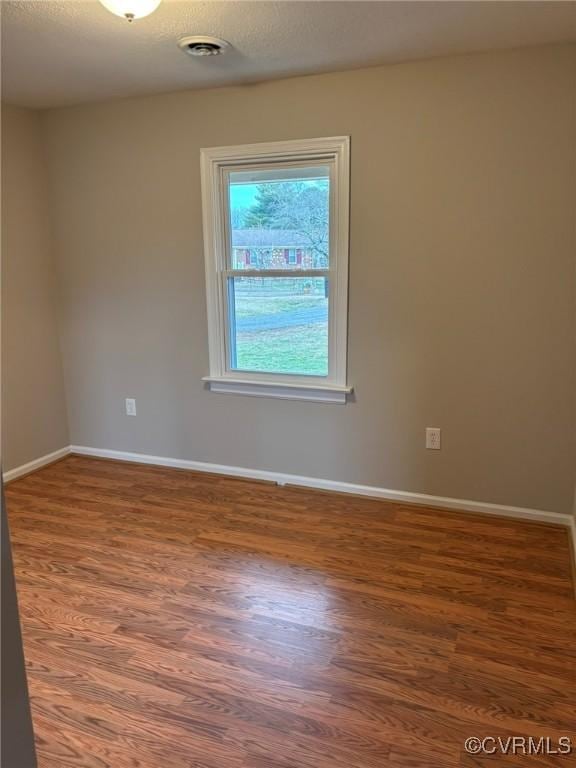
(433, 438)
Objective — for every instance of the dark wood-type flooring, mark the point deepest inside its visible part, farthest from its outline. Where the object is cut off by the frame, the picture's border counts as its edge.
(174, 619)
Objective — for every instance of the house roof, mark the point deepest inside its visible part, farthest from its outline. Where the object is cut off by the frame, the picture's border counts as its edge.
(268, 238)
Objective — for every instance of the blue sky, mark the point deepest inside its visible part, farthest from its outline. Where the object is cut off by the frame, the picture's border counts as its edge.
(242, 195)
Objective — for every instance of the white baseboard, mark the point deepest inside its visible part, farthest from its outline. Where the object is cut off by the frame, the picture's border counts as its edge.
(408, 497)
(32, 466)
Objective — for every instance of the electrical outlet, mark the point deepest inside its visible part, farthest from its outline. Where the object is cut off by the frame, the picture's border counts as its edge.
(130, 406)
(433, 438)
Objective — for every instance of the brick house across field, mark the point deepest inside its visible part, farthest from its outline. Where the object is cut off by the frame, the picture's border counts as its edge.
(272, 249)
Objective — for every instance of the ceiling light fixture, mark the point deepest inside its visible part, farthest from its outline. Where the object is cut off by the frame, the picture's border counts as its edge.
(202, 45)
(131, 9)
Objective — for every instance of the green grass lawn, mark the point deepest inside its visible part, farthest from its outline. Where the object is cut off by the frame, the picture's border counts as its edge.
(247, 304)
(284, 351)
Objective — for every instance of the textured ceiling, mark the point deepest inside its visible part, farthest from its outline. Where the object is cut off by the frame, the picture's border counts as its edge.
(57, 52)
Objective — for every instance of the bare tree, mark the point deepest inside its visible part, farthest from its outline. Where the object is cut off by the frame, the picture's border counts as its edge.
(298, 206)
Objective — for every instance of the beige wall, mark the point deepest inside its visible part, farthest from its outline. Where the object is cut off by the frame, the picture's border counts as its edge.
(34, 420)
(461, 283)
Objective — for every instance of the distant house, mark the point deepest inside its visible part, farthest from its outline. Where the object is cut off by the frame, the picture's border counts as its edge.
(271, 249)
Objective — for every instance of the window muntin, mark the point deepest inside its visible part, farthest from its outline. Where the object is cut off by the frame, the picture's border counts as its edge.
(276, 232)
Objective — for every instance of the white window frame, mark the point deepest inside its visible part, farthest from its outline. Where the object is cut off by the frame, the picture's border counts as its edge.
(215, 163)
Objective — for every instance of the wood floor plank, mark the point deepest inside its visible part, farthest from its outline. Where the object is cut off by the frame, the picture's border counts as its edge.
(174, 619)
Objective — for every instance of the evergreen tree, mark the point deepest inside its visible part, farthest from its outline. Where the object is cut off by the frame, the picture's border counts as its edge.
(261, 215)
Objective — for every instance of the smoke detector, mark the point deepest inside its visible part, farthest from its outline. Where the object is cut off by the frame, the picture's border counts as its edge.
(202, 45)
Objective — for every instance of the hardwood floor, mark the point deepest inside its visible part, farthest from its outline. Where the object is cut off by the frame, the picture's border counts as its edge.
(182, 620)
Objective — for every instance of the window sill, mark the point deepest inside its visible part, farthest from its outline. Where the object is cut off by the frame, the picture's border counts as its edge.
(318, 393)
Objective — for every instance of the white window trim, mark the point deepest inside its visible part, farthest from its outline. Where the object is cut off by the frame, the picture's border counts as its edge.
(214, 162)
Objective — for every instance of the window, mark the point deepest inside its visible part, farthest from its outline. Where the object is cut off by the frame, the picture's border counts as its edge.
(276, 247)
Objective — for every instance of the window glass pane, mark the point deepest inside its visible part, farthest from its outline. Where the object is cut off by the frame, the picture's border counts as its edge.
(279, 325)
(279, 218)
